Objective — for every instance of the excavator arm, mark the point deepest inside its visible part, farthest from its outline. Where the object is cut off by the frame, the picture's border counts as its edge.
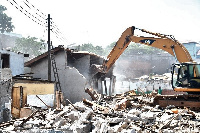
(164, 42)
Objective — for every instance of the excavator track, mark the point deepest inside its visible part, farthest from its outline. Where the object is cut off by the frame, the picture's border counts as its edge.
(190, 101)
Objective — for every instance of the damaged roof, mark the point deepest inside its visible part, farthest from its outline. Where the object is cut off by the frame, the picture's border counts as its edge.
(70, 52)
(28, 78)
(42, 56)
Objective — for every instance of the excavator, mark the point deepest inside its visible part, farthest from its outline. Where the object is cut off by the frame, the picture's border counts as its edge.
(185, 74)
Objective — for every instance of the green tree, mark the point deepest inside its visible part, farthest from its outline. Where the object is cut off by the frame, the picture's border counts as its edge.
(87, 47)
(137, 48)
(30, 45)
(5, 21)
(133, 48)
(108, 49)
(91, 48)
(144, 49)
(99, 50)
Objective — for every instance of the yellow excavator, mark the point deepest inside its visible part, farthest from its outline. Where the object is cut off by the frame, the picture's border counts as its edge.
(185, 74)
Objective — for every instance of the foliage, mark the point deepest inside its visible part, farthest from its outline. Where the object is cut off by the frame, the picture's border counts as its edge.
(133, 48)
(109, 48)
(29, 45)
(93, 49)
(5, 21)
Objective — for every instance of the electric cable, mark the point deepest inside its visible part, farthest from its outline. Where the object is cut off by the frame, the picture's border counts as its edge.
(27, 13)
(34, 14)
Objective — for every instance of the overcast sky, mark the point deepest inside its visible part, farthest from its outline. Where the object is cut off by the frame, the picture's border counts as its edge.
(101, 22)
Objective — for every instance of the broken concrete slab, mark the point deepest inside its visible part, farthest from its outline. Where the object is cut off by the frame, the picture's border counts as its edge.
(141, 118)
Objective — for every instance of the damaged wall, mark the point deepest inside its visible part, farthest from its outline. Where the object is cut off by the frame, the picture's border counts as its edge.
(72, 82)
(5, 95)
(29, 92)
(81, 64)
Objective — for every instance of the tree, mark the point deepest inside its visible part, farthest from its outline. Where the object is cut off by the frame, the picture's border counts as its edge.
(87, 47)
(137, 48)
(133, 48)
(93, 49)
(5, 21)
(109, 48)
(98, 50)
(30, 46)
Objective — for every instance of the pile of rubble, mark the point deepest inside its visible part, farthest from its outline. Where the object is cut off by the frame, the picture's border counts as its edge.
(119, 113)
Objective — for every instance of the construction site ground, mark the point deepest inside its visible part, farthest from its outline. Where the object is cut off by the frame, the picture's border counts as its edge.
(125, 112)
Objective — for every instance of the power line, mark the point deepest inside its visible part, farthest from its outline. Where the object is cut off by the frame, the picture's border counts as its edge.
(33, 13)
(27, 13)
(56, 30)
(41, 14)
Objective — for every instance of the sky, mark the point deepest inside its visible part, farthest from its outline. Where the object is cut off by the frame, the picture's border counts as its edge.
(101, 22)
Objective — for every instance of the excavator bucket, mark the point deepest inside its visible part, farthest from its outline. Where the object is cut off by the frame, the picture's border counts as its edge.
(94, 69)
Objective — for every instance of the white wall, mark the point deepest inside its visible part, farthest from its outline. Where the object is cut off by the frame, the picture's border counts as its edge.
(16, 62)
(71, 80)
(73, 84)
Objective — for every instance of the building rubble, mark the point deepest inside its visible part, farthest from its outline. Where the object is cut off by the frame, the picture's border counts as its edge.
(126, 112)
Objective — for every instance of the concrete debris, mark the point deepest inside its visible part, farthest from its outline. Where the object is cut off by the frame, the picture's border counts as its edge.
(111, 114)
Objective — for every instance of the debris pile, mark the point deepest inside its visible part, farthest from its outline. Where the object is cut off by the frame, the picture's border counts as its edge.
(119, 113)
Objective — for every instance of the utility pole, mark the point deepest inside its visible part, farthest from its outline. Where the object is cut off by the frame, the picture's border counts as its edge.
(49, 48)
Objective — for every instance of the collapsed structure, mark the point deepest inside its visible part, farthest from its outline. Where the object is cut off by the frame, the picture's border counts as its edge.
(74, 71)
(127, 112)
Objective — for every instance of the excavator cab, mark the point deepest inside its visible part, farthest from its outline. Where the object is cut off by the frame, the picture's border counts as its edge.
(186, 77)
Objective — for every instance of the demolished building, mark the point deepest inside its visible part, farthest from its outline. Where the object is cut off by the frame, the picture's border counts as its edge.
(74, 70)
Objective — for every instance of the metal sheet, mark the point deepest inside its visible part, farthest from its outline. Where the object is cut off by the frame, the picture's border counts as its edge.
(34, 101)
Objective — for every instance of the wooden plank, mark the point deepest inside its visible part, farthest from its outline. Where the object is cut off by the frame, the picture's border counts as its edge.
(37, 88)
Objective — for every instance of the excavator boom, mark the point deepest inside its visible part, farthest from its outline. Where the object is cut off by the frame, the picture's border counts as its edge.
(160, 41)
